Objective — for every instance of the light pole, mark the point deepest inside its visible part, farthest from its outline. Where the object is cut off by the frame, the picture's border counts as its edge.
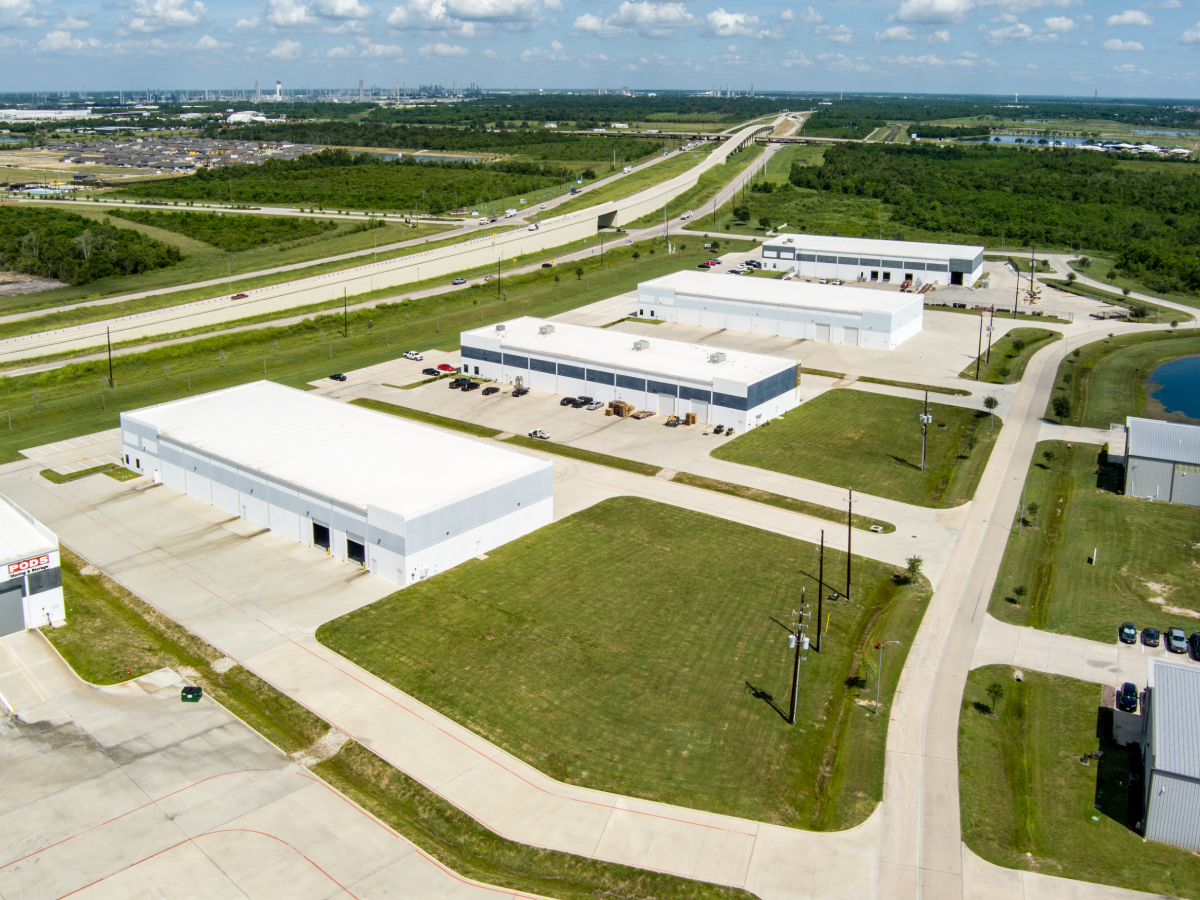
(879, 671)
(926, 420)
(796, 639)
(990, 328)
(979, 347)
(820, 589)
(849, 536)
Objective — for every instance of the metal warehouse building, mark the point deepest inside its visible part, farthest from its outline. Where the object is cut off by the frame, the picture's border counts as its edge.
(867, 259)
(1162, 461)
(404, 500)
(31, 595)
(1171, 755)
(859, 317)
(723, 387)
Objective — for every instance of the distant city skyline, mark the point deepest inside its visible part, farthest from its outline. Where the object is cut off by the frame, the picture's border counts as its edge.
(995, 47)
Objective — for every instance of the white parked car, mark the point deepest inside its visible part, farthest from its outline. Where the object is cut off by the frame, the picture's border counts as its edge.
(540, 435)
(413, 354)
(596, 404)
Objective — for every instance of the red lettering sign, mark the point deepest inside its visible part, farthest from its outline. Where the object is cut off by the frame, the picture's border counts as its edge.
(28, 565)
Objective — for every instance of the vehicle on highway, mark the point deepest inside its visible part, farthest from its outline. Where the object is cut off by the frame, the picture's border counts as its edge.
(1127, 633)
(445, 367)
(488, 391)
(520, 392)
(430, 372)
(1150, 637)
(533, 227)
(459, 281)
(539, 434)
(488, 277)
(596, 404)
(413, 354)
(687, 215)
(1176, 640)
(239, 296)
(483, 221)
(574, 190)
(547, 265)
(1127, 697)
(337, 376)
(543, 206)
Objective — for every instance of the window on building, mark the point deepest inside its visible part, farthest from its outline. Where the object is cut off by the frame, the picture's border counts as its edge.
(875, 275)
(477, 370)
(887, 276)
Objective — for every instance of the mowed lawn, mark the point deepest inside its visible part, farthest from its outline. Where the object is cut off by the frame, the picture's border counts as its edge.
(1023, 788)
(1145, 564)
(872, 443)
(639, 648)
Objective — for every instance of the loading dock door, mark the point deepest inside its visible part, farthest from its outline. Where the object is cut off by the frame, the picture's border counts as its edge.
(850, 337)
(355, 551)
(700, 408)
(956, 277)
(12, 613)
(666, 405)
(320, 535)
(823, 333)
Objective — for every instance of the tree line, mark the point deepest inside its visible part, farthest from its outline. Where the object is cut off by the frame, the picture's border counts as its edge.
(1147, 218)
(231, 233)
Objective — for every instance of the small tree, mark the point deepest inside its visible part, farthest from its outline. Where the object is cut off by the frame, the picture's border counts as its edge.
(995, 691)
(990, 403)
(1018, 345)
(741, 213)
(1062, 407)
(557, 289)
(972, 443)
(1020, 591)
(1071, 276)
(1075, 353)
(579, 273)
(1067, 377)
(1174, 324)
(1124, 291)
(1032, 507)
(915, 564)
(764, 223)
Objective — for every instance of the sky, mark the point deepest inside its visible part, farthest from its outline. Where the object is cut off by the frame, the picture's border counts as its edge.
(1044, 47)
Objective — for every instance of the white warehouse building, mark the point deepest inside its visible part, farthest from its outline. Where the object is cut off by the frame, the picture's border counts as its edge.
(871, 260)
(859, 317)
(722, 387)
(403, 500)
(31, 594)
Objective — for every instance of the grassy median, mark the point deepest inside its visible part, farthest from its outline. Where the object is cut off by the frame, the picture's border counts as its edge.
(640, 648)
(872, 442)
(1029, 802)
(1006, 364)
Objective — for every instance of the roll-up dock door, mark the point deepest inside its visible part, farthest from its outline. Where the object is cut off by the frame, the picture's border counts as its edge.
(666, 405)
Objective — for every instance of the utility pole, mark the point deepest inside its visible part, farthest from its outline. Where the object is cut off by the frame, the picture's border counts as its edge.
(978, 353)
(991, 327)
(497, 279)
(820, 588)
(849, 535)
(926, 420)
(110, 377)
(229, 275)
(345, 316)
(879, 671)
(601, 251)
(796, 664)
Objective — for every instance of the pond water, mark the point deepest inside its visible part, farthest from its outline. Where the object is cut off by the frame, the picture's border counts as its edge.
(1177, 386)
(1061, 141)
(1182, 134)
(428, 157)
(11, 139)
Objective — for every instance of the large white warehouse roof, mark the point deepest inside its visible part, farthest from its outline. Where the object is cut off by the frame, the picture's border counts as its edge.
(820, 243)
(19, 535)
(602, 346)
(836, 298)
(354, 455)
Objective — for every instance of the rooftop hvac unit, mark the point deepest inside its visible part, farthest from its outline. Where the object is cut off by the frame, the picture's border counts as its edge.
(716, 357)
(499, 327)
(641, 345)
(545, 329)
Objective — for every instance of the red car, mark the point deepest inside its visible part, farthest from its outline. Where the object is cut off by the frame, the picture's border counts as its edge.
(445, 367)
(239, 296)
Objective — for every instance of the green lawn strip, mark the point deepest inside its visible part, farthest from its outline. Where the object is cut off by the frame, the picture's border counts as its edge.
(912, 385)
(112, 636)
(600, 651)
(1154, 312)
(1146, 552)
(1028, 802)
(935, 306)
(589, 456)
(1020, 263)
(1105, 381)
(1007, 364)
(69, 401)
(708, 186)
(1100, 268)
(417, 384)
(630, 184)
(872, 442)
(633, 319)
(825, 373)
(417, 415)
(791, 504)
(55, 478)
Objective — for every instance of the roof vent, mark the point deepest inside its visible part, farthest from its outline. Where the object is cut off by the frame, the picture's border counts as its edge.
(499, 327)
(545, 329)
(716, 357)
(641, 345)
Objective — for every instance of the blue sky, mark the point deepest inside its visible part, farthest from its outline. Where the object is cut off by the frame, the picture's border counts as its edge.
(1059, 47)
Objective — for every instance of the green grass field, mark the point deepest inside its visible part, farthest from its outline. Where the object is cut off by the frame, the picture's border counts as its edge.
(630, 184)
(112, 636)
(588, 456)
(709, 185)
(1029, 803)
(1099, 268)
(1107, 380)
(1154, 312)
(872, 442)
(68, 401)
(600, 651)
(1006, 364)
(417, 415)
(1146, 552)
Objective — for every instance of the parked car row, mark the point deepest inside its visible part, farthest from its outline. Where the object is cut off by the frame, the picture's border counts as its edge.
(1176, 639)
(582, 402)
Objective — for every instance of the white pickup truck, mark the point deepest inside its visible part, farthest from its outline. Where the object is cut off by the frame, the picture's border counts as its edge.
(627, 170)
(687, 215)
(509, 213)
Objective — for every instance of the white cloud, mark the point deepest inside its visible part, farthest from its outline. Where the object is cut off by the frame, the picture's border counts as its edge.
(938, 37)
(343, 9)
(1161, 4)
(467, 18)
(70, 23)
(245, 25)
(810, 17)
(1191, 36)
(839, 34)
(794, 59)
(895, 33)
(649, 18)
(554, 54)
(839, 63)
(1130, 69)
(290, 14)
(19, 14)
(727, 24)
(62, 42)
(149, 16)
(928, 60)
(1060, 24)
(934, 11)
(1117, 44)
(440, 49)
(365, 49)
(1129, 17)
(285, 49)
(208, 42)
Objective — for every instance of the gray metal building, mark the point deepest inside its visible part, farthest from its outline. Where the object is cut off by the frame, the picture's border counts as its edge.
(1171, 754)
(1162, 461)
(870, 260)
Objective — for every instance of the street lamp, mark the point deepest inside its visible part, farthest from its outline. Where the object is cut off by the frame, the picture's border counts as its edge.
(879, 671)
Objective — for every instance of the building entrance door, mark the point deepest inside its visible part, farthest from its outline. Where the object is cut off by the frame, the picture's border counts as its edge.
(12, 612)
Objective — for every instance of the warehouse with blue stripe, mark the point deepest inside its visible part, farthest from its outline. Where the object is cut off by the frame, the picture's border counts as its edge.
(722, 387)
